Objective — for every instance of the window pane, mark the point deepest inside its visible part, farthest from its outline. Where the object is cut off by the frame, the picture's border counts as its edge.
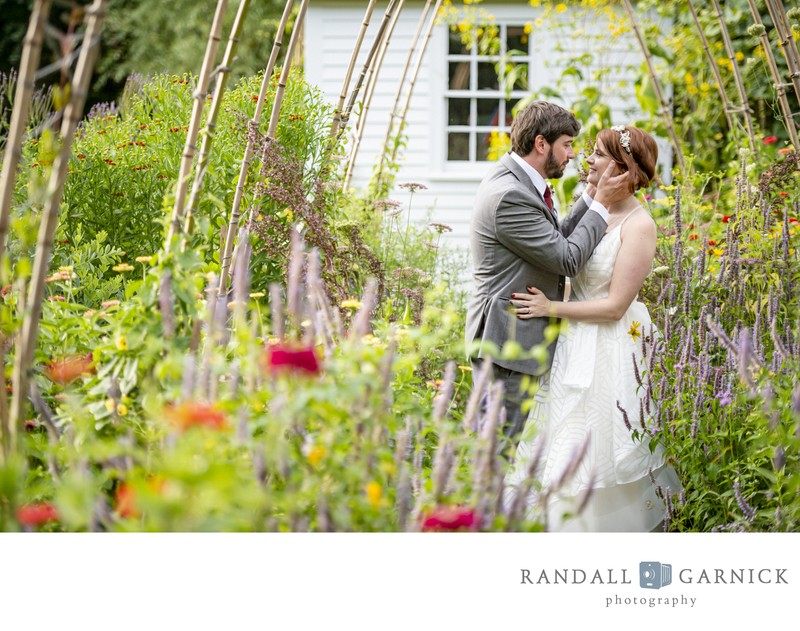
(516, 39)
(459, 75)
(458, 111)
(483, 145)
(510, 105)
(487, 77)
(488, 111)
(456, 47)
(457, 146)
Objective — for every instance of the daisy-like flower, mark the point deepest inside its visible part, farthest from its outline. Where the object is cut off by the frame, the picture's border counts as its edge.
(351, 303)
(634, 331)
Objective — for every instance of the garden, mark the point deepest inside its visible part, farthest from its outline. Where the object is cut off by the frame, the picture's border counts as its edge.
(205, 330)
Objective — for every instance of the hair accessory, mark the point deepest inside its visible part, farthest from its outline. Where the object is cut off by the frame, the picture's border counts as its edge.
(624, 137)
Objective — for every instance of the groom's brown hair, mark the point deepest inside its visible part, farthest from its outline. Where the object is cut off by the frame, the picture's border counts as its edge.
(541, 118)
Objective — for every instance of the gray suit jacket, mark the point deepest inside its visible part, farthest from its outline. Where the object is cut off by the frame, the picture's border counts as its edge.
(516, 241)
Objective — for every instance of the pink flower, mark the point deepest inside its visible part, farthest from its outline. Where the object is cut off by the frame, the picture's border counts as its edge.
(450, 519)
(282, 358)
(36, 514)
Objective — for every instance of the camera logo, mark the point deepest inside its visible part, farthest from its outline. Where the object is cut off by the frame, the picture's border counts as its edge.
(654, 575)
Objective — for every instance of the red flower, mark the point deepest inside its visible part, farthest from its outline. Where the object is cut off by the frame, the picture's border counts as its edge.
(282, 358)
(450, 519)
(36, 514)
(792, 220)
(712, 242)
(196, 414)
(693, 237)
(770, 139)
(68, 369)
(726, 218)
(783, 194)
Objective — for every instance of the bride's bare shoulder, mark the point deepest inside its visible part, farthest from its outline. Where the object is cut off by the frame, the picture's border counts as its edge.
(640, 224)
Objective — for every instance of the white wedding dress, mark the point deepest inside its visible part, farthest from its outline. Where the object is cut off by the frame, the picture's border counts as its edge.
(592, 376)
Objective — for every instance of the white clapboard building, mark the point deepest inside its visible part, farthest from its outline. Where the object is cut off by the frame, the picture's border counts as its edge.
(457, 101)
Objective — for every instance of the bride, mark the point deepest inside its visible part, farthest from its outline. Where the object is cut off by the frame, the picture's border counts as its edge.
(585, 439)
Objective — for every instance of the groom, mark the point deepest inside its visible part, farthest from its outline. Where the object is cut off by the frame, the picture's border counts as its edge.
(516, 240)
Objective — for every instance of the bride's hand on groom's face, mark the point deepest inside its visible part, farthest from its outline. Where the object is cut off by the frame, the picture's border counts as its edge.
(531, 305)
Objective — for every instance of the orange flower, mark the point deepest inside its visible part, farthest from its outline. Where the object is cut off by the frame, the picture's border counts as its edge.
(693, 237)
(68, 369)
(36, 514)
(125, 501)
(196, 414)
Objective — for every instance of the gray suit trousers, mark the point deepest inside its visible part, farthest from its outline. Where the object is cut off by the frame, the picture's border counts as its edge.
(513, 398)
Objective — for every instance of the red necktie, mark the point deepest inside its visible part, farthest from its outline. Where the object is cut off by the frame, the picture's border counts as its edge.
(548, 197)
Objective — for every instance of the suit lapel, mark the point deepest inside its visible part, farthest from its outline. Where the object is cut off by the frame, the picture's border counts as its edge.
(507, 161)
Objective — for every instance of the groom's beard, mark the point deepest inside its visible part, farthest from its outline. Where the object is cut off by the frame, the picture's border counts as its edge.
(552, 169)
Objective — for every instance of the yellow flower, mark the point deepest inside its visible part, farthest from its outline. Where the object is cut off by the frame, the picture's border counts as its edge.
(739, 55)
(634, 331)
(122, 343)
(560, 8)
(110, 405)
(465, 368)
(374, 492)
(716, 251)
(122, 409)
(123, 267)
(351, 303)
(143, 259)
(257, 294)
(315, 455)
(527, 28)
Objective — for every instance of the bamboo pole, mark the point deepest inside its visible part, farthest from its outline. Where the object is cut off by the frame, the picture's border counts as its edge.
(281, 90)
(781, 22)
(337, 115)
(387, 16)
(211, 122)
(372, 82)
(745, 107)
(780, 87)
(665, 114)
(398, 95)
(226, 252)
(72, 115)
(200, 95)
(286, 70)
(415, 74)
(31, 53)
(712, 63)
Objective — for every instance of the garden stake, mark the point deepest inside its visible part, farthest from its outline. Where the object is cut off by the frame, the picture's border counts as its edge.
(745, 106)
(780, 86)
(390, 9)
(226, 252)
(12, 152)
(373, 75)
(223, 72)
(781, 23)
(348, 75)
(200, 95)
(297, 31)
(72, 113)
(398, 94)
(401, 118)
(712, 64)
(665, 113)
